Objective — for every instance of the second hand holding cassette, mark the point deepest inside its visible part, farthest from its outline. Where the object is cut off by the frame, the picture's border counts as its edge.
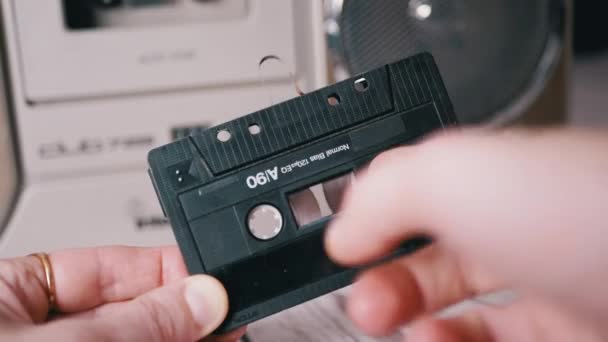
(249, 200)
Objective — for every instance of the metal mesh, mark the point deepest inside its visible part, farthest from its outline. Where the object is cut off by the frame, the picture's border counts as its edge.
(487, 50)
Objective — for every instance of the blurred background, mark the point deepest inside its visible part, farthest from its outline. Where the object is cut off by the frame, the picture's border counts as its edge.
(90, 86)
(590, 69)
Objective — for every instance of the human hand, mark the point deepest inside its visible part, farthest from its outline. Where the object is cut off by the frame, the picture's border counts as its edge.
(519, 210)
(113, 293)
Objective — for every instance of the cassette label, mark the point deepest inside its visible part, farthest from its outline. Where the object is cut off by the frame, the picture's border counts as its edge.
(293, 169)
(249, 200)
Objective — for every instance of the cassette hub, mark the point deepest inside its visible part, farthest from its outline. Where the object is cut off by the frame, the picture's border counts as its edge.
(265, 222)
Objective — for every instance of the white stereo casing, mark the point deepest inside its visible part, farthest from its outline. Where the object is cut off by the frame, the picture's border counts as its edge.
(86, 106)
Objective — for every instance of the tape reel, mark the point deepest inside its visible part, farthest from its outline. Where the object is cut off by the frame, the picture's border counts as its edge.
(320, 200)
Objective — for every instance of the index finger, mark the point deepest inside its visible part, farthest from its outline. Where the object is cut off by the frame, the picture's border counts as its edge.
(488, 195)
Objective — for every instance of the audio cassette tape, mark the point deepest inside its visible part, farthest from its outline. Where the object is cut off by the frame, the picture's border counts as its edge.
(249, 200)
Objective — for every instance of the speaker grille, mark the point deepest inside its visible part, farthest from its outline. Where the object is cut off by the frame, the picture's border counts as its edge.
(487, 50)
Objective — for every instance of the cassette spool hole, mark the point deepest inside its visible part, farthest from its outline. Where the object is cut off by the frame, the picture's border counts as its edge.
(255, 129)
(319, 201)
(224, 135)
(361, 85)
(333, 99)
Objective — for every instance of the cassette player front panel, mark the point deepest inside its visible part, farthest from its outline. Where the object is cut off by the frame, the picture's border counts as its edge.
(249, 200)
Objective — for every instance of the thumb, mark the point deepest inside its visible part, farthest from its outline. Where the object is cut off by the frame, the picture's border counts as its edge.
(187, 310)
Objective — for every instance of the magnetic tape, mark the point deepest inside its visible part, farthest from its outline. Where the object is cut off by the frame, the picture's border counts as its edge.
(249, 200)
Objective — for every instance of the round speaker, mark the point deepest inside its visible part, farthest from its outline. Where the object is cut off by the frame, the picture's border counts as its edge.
(495, 56)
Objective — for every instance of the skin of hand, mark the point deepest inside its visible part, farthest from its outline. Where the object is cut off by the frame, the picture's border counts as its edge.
(518, 209)
(111, 294)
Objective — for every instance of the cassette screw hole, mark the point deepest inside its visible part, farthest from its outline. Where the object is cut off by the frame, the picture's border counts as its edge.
(333, 99)
(361, 85)
(255, 129)
(224, 135)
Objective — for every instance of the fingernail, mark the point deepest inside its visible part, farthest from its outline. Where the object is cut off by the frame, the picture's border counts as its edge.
(208, 302)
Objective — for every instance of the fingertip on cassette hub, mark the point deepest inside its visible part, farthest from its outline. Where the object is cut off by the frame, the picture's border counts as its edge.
(252, 210)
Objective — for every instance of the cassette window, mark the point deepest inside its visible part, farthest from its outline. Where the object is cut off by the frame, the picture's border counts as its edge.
(321, 200)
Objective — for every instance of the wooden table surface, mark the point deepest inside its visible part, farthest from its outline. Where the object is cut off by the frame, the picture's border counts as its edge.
(320, 320)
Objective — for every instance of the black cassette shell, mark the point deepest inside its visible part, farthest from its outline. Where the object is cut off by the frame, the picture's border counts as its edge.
(208, 186)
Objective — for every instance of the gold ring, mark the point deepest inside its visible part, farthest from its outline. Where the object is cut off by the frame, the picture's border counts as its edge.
(50, 280)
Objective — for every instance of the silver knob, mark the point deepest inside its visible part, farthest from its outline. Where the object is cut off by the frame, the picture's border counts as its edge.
(265, 222)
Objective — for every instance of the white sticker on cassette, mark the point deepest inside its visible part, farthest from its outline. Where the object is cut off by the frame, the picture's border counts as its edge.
(262, 178)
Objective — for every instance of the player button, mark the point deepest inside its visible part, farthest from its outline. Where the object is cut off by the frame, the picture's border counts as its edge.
(265, 222)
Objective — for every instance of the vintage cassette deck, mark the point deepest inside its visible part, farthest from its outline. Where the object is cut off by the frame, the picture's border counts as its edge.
(249, 200)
